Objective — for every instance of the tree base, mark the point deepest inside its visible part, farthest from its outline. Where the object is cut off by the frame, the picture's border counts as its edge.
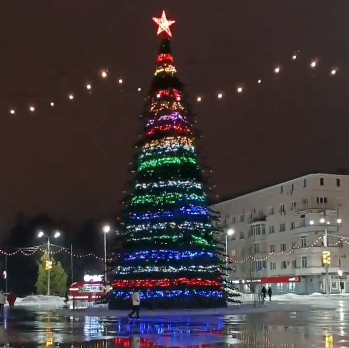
(183, 301)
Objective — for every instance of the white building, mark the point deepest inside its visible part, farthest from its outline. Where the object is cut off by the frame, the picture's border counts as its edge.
(278, 237)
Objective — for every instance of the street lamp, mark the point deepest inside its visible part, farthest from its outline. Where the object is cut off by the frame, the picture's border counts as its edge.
(326, 254)
(229, 232)
(105, 229)
(48, 265)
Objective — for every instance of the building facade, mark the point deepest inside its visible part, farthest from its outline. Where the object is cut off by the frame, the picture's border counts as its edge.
(277, 236)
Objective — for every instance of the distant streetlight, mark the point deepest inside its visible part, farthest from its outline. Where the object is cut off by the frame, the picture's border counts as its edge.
(105, 229)
(48, 250)
(229, 232)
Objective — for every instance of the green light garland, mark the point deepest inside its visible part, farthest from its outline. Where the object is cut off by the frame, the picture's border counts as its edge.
(166, 198)
(167, 160)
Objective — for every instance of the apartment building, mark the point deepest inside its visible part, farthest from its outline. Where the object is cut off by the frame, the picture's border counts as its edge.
(276, 236)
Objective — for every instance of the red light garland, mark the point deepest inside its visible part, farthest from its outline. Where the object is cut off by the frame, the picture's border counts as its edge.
(168, 128)
(163, 283)
(165, 58)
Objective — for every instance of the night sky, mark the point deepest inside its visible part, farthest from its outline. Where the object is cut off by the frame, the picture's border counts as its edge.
(72, 160)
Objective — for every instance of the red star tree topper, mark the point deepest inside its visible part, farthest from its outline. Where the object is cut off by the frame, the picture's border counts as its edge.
(164, 24)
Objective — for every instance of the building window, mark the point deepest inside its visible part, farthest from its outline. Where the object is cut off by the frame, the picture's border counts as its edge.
(272, 248)
(304, 262)
(242, 235)
(304, 242)
(256, 248)
(294, 245)
(258, 265)
(293, 225)
(272, 266)
(282, 227)
(293, 205)
(321, 199)
(294, 264)
(322, 182)
(233, 220)
(338, 182)
(281, 189)
(292, 187)
(241, 217)
(282, 208)
(304, 182)
(249, 215)
(271, 229)
(339, 263)
(271, 211)
(283, 264)
(283, 247)
(233, 253)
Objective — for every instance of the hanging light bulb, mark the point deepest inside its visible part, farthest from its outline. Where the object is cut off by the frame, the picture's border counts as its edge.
(31, 108)
(239, 90)
(313, 64)
(104, 73)
(12, 111)
(294, 57)
(199, 99)
(259, 81)
(277, 70)
(220, 96)
(333, 72)
(120, 81)
(52, 104)
(139, 89)
(71, 96)
(88, 87)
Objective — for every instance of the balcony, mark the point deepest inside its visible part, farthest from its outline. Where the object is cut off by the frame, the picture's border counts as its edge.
(307, 228)
(257, 219)
(313, 208)
(335, 250)
(298, 271)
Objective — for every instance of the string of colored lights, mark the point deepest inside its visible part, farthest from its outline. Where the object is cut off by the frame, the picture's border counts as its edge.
(107, 74)
(163, 283)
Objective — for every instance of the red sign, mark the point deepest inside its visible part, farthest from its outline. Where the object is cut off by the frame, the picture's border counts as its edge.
(273, 280)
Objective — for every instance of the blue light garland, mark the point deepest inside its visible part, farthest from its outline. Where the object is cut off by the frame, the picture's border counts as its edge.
(165, 255)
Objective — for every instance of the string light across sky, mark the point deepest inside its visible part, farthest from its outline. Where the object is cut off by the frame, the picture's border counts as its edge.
(105, 74)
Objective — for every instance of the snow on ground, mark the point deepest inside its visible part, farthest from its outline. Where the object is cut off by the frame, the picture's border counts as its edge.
(312, 297)
(40, 301)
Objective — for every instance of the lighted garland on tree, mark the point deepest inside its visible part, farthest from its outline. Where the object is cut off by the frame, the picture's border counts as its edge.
(170, 253)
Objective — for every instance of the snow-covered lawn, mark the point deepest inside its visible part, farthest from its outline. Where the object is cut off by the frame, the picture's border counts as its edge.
(312, 297)
(40, 301)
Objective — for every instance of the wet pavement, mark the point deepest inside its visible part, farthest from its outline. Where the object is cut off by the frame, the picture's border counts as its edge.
(312, 327)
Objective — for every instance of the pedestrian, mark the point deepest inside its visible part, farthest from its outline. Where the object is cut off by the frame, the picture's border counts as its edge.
(264, 292)
(2, 301)
(270, 293)
(11, 299)
(136, 301)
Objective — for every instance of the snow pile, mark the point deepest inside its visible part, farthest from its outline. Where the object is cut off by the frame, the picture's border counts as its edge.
(41, 300)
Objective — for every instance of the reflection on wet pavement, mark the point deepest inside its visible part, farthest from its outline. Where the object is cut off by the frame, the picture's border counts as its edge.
(312, 328)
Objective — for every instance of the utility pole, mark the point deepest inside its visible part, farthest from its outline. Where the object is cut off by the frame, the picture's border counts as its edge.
(71, 263)
(48, 266)
(326, 259)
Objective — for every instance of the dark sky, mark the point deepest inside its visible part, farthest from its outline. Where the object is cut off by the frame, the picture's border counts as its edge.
(72, 160)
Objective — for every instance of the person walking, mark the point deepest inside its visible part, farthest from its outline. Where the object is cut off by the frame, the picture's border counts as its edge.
(136, 302)
(11, 299)
(2, 301)
(270, 293)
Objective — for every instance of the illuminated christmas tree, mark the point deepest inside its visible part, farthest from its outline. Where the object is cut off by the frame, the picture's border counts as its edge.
(169, 254)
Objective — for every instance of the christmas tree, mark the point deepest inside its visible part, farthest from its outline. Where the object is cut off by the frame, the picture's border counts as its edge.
(170, 253)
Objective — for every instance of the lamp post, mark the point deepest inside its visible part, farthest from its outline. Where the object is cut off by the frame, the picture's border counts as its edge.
(326, 255)
(48, 265)
(229, 232)
(105, 229)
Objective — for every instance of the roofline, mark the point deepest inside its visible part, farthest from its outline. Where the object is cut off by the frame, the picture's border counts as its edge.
(244, 194)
